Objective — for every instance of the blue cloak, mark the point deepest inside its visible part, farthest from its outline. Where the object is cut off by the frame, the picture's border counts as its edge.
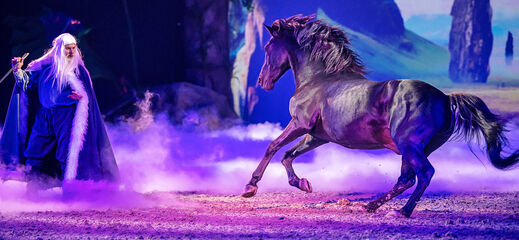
(95, 161)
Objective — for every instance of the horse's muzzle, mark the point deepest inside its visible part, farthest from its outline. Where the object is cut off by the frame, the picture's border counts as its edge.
(265, 85)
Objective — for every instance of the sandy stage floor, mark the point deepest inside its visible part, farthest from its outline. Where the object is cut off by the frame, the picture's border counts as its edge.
(288, 214)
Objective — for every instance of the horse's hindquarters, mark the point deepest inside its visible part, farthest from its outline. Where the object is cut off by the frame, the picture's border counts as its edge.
(418, 113)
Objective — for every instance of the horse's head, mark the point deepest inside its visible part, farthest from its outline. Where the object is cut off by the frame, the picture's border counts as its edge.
(276, 58)
(307, 41)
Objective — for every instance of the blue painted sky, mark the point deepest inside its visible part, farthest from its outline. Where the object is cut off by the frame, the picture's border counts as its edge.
(432, 20)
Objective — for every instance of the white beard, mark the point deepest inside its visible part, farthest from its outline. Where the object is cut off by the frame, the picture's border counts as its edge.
(70, 66)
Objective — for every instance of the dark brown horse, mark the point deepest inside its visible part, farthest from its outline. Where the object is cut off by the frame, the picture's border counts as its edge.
(334, 102)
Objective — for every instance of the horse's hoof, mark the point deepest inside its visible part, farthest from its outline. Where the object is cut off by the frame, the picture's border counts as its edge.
(397, 214)
(305, 185)
(250, 190)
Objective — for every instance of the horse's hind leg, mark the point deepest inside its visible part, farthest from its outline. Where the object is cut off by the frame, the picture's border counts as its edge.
(414, 155)
(414, 163)
(407, 177)
(306, 144)
(405, 181)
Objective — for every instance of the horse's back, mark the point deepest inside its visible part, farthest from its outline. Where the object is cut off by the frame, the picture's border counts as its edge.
(370, 115)
(355, 113)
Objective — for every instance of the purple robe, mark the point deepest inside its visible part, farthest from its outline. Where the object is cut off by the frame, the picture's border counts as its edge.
(91, 156)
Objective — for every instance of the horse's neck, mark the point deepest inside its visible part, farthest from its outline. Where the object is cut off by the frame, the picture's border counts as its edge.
(306, 72)
(303, 71)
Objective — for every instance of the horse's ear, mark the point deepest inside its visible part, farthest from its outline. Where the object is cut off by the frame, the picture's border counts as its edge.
(271, 30)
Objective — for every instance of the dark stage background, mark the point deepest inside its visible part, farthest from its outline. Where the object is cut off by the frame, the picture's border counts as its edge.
(126, 48)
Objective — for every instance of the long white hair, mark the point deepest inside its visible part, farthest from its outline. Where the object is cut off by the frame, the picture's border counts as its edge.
(60, 66)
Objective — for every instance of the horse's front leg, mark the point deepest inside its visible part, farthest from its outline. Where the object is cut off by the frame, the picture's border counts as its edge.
(306, 144)
(291, 132)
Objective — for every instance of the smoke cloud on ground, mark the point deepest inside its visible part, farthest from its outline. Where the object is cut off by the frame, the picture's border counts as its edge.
(163, 157)
(78, 195)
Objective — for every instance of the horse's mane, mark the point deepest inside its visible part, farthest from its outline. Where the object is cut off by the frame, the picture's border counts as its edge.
(325, 43)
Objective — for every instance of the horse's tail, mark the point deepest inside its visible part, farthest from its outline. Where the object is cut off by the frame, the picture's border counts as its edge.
(472, 117)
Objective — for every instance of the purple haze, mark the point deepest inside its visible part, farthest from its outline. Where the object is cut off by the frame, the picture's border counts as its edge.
(165, 158)
(162, 157)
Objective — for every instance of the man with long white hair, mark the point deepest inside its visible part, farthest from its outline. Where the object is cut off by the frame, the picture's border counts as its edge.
(55, 130)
